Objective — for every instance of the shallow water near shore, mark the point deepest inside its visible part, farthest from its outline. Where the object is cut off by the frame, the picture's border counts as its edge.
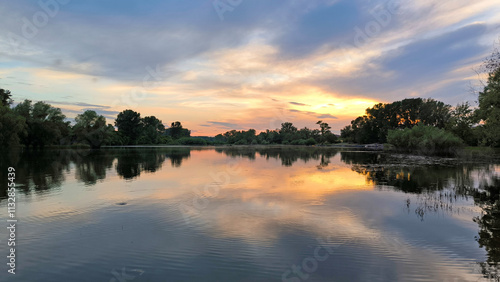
(250, 214)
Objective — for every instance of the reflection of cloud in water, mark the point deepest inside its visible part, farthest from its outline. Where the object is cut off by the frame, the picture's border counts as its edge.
(273, 199)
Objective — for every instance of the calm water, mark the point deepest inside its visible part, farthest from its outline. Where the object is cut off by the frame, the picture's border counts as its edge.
(179, 214)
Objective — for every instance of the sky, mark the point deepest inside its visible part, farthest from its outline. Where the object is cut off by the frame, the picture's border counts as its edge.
(217, 65)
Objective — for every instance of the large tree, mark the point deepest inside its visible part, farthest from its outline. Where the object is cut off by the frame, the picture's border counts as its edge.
(91, 128)
(46, 125)
(5, 97)
(153, 130)
(12, 126)
(461, 123)
(130, 126)
(176, 130)
(489, 102)
(379, 119)
(326, 134)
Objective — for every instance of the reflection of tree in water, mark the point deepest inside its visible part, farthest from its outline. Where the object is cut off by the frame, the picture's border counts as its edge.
(288, 156)
(177, 155)
(36, 171)
(349, 157)
(488, 198)
(234, 152)
(92, 165)
(438, 188)
(131, 161)
(324, 161)
(417, 175)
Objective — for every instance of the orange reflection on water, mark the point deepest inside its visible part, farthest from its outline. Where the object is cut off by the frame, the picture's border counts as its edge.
(250, 198)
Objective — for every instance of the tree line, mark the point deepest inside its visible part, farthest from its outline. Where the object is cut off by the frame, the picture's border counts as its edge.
(288, 134)
(39, 124)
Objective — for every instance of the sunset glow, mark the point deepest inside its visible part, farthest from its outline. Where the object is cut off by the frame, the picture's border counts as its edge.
(217, 73)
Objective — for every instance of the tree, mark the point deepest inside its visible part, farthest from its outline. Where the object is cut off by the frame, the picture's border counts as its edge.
(288, 132)
(5, 97)
(489, 102)
(326, 134)
(287, 128)
(12, 127)
(153, 130)
(92, 128)
(130, 126)
(324, 127)
(45, 124)
(379, 119)
(461, 122)
(177, 131)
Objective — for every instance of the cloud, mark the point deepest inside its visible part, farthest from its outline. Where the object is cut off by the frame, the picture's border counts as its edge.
(109, 115)
(79, 104)
(416, 67)
(298, 104)
(244, 69)
(224, 124)
(326, 116)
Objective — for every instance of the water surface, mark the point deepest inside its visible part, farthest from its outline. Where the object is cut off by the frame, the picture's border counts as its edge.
(251, 214)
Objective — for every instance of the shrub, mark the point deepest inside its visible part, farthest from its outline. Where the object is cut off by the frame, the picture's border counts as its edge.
(425, 139)
(310, 141)
(192, 141)
(241, 142)
(298, 142)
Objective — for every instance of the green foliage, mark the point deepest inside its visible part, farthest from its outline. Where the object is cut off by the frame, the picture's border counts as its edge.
(239, 137)
(489, 105)
(5, 98)
(326, 135)
(241, 142)
(298, 142)
(46, 125)
(153, 131)
(310, 141)
(12, 127)
(461, 123)
(424, 139)
(373, 127)
(92, 129)
(288, 134)
(129, 125)
(192, 141)
(176, 130)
